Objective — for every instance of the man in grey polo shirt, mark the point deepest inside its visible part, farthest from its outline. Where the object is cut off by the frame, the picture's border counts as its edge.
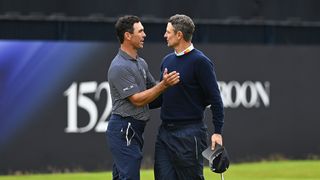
(132, 89)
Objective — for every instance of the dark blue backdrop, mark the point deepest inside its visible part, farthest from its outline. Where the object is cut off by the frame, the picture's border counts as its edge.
(54, 102)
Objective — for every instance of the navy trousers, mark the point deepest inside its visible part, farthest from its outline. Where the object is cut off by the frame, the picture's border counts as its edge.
(125, 140)
(178, 152)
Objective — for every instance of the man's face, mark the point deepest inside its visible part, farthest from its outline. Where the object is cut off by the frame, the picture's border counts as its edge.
(171, 36)
(137, 38)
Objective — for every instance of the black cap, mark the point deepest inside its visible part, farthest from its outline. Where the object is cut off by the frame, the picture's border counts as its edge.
(218, 158)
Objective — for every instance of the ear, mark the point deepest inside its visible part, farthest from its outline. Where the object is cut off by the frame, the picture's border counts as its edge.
(127, 36)
(180, 35)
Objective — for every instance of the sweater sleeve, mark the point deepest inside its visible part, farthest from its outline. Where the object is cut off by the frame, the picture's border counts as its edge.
(207, 79)
(156, 103)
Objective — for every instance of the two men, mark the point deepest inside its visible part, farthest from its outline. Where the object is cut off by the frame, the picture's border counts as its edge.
(132, 88)
(182, 135)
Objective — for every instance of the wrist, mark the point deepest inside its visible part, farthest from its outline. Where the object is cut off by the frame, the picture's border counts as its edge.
(163, 85)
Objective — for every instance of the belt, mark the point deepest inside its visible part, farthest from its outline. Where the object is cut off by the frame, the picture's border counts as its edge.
(179, 124)
(137, 124)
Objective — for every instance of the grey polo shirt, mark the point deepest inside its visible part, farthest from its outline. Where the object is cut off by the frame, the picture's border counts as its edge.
(128, 76)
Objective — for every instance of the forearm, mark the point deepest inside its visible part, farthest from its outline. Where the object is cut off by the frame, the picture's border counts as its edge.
(147, 96)
(218, 117)
(215, 100)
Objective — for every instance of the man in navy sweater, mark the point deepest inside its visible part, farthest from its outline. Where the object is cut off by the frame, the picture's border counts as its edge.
(182, 135)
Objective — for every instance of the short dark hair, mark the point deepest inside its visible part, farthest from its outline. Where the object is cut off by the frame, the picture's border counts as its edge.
(125, 24)
(184, 24)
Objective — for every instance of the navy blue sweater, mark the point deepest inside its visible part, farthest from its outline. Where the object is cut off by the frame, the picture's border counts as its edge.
(197, 89)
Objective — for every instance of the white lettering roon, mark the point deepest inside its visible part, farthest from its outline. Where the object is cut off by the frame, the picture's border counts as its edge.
(249, 94)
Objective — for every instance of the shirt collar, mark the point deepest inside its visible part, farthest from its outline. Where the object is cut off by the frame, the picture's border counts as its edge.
(125, 55)
(186, 51)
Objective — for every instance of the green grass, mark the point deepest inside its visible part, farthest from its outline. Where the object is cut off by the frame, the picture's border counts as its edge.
(277, 170)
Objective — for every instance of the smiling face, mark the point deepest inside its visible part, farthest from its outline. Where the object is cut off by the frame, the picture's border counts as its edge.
(171, 36)
(138, 35)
